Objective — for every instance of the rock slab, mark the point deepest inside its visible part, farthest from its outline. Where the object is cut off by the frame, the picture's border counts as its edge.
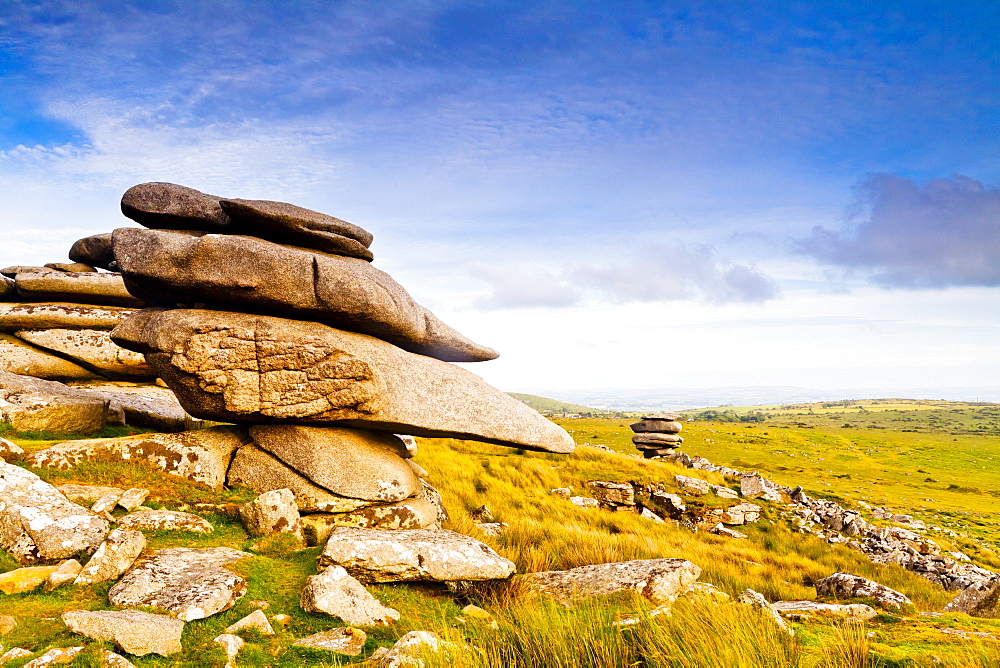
(845, 585)
(659, 580)
(135, 632)
(336, 593)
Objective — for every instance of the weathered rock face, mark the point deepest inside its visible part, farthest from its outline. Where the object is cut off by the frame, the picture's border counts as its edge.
(336, 593)
(692, 486)
(979, 600)
(245, 368)
(845, 585)
(743, 513)
(188, 583)
(416, 513)
(19, 357)
(10, 451)
(94, 250)
(262, 472)
(272, 512)
(756, 486)
(659, 580)
(85, 288)
(114, 556)
(201, 456)
(147, 406)
(45, 315)
(92, 349)
(38, 523)
(355, 463)
(33, 404)
(613, 495)
(166, 267)
(132, 631)
(373, 555)
(174, 207)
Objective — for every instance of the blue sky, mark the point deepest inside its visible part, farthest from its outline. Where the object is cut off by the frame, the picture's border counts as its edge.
(628, 194)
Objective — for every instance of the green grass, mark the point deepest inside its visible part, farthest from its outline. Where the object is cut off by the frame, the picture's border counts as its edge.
(547, 532)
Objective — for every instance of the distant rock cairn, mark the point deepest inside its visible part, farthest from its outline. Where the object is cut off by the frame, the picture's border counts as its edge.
(657, 435)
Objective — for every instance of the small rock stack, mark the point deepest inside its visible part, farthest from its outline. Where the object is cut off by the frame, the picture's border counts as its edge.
(271, 316)
(657, 435)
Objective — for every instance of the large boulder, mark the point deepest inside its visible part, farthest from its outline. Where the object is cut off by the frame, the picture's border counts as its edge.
(235, 367)
(201, 456)
(188, 583)
(165, 268)
(356, 463)
(173, 207)
(845, 585)
(33, 404)
(272, 512)
(137, 405)
(58, 315)
(114, 556)
(92, 349)
(379, 555)
(659, 580)
(262, 472)
(416, 513)
(94, 250)
(336, 593)
(38, 523)
(84, 288)
(979, 600)
(132, 631)
(24, 359)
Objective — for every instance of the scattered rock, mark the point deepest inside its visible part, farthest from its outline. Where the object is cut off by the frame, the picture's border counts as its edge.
(805, 608)
(38, 523)
(755, 486)
(405, 653)
(135, 632)
(67, 571)
(415, 513)
(58, 655)
(336, 593)
(21, 580)
(111, 660)
(692, 486)
(493, 528)
(374, 555)
(200, 456)
(247, 368)
(706, 592)
(114, 556)
(9, 451)
(845, 585)
(88, 494)
(344, 640)
(584, 502)
(133, 498)
(562, 492)
(232, 646)
(722, 530)
(724, 492)
(164, 520)
(979, 600)
(7, 624)
(256, 620)
(13, 654)
(757, 600)
(188, 583)
(612, 494)
(659, 580)
(744, 513)
(272, 512)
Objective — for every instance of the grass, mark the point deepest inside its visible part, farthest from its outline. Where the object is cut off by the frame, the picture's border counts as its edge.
(547, 532)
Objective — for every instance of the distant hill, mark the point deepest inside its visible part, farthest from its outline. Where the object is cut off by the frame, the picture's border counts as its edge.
(545, 405)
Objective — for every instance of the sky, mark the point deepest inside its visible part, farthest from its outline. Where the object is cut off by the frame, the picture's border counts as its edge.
(614, 195)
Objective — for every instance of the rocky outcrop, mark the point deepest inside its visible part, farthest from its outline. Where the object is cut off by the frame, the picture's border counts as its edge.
(22, 358)
(132, 631)
(19, 316)
(32, 404)
(187, 583)
(981, 599)
(659, 580)
(373, 555)
(94, 250)
(336, 593)
(38, 523)
(657, 435)
(92, 349)
(244, 368)
(102, 289)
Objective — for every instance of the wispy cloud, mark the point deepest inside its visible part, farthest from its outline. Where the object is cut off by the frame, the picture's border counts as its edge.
(655, 273)
(943, 233)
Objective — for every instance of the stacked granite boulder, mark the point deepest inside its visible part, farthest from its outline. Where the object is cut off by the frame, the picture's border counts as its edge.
(657, 435)
(271, 316)
(55, 322)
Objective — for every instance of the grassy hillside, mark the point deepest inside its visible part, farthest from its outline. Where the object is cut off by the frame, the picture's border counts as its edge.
(547, 406)
(888, 466)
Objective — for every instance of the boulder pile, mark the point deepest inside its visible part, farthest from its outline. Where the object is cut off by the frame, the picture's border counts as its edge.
(271, 316)
(657, 435)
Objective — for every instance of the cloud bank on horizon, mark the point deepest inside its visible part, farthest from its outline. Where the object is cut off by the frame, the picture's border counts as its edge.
(553, 155)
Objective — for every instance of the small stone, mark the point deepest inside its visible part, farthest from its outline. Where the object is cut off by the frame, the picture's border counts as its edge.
(66, 572)
(724, 492)
(612, 493)
(336, 593)
(855, 610)
(110, 659)
(281, 620)
(410, 443)
(255, 620)
(562, 492)
(345, 640)
(722, 530)
(10, 451)
(650, 515)
(584, 502)
(757, 600)
(493, 528)
(105, 504)
(659, 580)
(59, 655)
(272, 512)
(231, 644)
(412, 645)
(755, 486)
(133, 498)
(15, 653)
(164, 520)
(7, 624)
(845, 585)
(692, 486)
